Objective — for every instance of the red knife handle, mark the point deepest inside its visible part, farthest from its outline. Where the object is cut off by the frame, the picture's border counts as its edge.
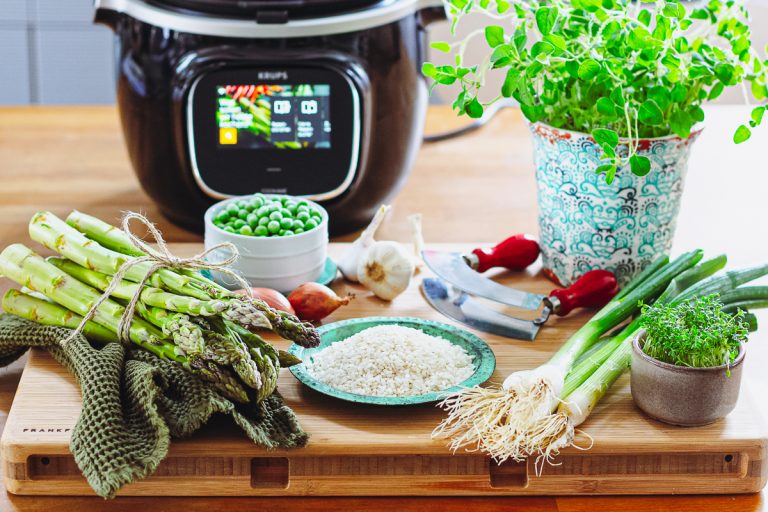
(514, 253)
(593, 289)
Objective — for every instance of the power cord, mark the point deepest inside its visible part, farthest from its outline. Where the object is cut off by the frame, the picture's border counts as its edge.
(489, 114)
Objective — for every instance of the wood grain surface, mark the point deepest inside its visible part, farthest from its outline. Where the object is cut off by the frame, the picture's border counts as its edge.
(356, 448)
(476, 189)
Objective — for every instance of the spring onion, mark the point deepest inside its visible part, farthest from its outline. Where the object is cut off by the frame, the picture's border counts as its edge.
(517, 420)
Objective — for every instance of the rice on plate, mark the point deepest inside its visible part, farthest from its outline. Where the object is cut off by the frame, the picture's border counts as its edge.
(391, 360)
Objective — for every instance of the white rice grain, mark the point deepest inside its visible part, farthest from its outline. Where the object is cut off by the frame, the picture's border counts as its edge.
(391, 360)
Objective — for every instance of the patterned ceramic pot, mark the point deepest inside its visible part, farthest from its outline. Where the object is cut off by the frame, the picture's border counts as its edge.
(587, 224)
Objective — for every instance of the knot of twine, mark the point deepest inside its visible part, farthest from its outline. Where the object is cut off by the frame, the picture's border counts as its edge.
(159, 257)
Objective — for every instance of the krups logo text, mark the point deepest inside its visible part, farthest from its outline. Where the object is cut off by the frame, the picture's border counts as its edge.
(273, 75)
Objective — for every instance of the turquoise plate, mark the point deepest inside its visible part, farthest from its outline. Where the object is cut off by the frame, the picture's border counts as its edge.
(329, 272)
(484, 360)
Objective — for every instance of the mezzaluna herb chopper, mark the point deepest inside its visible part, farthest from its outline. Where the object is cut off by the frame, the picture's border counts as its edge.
(459, 279)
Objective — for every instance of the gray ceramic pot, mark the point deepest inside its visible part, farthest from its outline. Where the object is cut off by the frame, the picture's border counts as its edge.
(681, 395)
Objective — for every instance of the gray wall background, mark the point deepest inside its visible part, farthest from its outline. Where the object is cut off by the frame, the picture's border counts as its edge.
(52, 53)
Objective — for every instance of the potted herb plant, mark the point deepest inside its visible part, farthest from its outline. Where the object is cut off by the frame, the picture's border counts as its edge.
(613, 91)
(686, 363)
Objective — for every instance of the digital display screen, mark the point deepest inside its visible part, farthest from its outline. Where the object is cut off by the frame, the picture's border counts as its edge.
(273, 116)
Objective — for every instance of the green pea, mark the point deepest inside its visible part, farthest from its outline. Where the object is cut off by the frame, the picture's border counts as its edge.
(302, 216)
(263, 221)
(258, 201)
(221, 218)
(302, 203)
(238, 224)
(232, 210)
(243, 214)
(298, 230)
(246, 230)
(281, 232)
(297, 224)
(276, 216)
(286, 223)
(241, 204)
(310, 224)
(302, 208)
(229, 229)
(287, 232)
(252, 218)
(261, 231)
(262, 211)
(284, 199)
(273, 227)
(252, 206)
(316, 214)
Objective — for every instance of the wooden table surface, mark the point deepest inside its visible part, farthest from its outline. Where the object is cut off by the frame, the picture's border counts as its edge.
(479, 188)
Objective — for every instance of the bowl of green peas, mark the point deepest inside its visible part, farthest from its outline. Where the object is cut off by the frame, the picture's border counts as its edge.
(282, 240)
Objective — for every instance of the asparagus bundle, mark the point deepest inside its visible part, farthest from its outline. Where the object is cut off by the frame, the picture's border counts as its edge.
(179, 314)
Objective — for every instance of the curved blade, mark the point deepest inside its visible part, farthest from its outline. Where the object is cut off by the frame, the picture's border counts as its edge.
(451, 267)
(461, 307)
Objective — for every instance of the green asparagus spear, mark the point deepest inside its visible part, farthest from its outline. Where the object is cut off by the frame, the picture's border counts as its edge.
(282, 323)
(185, 334)
(149, 295)
(48, 313)
(24, 266)
(55, 234)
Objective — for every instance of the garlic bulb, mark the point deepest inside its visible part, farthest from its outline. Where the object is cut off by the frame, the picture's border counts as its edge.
(350, 262)
(386, 269)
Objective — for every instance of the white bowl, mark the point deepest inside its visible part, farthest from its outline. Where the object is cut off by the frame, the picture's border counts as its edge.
(280, 262)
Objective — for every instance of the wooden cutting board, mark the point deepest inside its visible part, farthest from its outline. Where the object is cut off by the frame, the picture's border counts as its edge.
(368, 450)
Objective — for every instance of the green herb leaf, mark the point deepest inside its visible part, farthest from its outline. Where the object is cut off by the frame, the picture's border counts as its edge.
(428, 69)
(474, 109)
(441, 46)
(609, 170)
(545, 19)
(606, 107)
(542, 48)
(604, 136)
(510, 83)
(681, 123)
(757, 114)
(650, 113)
(697, 114)
(494, 35)
(639, 165)
(661, 96)
(588, 69)
(644, 17)
(557, 41)
(742, 133)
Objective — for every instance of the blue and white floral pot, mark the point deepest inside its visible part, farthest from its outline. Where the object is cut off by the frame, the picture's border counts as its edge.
(587, 224)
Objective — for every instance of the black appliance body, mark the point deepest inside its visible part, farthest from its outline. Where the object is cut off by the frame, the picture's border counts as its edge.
(220, 98)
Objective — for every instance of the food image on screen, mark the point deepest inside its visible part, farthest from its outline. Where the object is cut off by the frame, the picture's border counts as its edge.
(271, 116)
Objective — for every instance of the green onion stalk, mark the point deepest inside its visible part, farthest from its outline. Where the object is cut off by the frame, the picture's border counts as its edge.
(519, 419)
(584, 386)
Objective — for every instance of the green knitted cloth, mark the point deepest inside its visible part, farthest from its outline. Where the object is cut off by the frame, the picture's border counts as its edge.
(134, 402)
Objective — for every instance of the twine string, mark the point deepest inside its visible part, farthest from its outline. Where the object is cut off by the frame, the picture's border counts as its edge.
(160, 257)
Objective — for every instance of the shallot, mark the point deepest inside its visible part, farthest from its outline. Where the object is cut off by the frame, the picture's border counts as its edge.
(273, 298)
(314, 301)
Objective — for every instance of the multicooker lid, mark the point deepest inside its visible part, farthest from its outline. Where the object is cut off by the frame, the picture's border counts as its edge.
(265, 18)
(266, 10)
